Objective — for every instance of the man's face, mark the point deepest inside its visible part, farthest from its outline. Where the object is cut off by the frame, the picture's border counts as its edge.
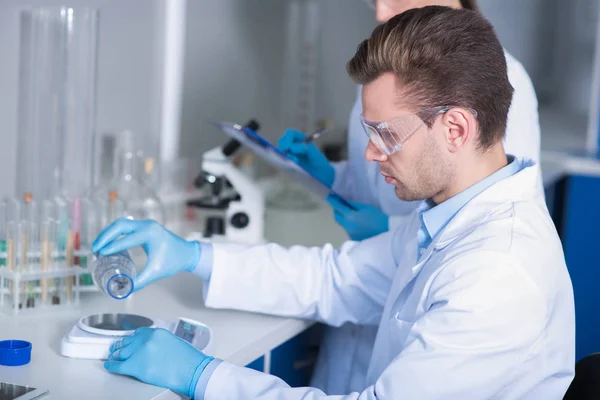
(386, 9)
(421, 169)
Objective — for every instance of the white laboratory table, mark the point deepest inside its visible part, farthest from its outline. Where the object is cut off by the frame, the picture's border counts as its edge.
(239, 337)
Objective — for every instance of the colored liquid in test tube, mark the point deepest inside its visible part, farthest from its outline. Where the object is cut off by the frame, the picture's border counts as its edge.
(76, 228)
(64, 247)
(89, 231)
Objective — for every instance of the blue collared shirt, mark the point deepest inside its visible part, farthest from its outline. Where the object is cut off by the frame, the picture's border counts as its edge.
(435, 217)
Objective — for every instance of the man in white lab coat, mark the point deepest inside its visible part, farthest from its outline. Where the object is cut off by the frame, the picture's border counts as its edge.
(345, 351)
(471, 292)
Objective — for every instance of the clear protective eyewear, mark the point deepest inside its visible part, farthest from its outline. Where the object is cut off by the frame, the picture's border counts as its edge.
(390, 136)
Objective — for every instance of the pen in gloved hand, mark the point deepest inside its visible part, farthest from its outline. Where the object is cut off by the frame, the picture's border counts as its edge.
(311, 137)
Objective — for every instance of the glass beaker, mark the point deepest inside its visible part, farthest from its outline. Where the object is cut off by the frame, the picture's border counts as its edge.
(141, 200)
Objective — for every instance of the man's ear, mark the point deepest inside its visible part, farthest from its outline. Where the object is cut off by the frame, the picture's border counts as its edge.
(459, 125)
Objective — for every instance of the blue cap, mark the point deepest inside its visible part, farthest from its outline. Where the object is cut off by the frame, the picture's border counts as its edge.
(15, 352)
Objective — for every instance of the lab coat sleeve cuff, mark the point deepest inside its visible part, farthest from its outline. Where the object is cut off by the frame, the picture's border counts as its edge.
(205, 264)
(203, 381)
(216, 257)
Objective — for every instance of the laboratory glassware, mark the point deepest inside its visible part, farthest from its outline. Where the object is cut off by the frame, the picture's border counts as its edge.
(57, 77)
(114, 274)
(298, 97)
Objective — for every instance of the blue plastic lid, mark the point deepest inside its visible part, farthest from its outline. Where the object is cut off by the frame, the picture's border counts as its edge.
(15, 352)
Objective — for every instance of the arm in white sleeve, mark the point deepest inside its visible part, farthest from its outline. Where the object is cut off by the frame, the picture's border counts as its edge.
(324, 284)
(342, 182)
(205, 264)
(522, 127)
(473, 342)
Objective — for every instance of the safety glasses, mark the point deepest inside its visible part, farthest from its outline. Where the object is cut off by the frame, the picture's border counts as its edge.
(389, 136)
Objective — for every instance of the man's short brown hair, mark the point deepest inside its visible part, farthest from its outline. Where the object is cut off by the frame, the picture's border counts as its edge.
(442, 57)
(469, 4)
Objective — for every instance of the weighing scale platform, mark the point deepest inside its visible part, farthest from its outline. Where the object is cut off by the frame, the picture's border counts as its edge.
(92, 336)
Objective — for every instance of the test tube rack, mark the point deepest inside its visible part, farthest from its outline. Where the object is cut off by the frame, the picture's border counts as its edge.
(39, 279)
(45, 250)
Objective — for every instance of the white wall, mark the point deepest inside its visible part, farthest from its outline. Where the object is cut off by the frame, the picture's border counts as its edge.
(574, 54)
(554, 40)
(234, 65)
(232, 68)
(128, 93)
(346, 24)
(523, 29)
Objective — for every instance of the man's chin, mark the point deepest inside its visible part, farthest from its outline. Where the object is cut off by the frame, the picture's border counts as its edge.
(403, 194)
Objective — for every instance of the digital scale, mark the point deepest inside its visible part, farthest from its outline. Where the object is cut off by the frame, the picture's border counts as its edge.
(92, 336)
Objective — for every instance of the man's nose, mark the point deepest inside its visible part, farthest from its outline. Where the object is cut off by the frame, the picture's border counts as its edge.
(372, 153)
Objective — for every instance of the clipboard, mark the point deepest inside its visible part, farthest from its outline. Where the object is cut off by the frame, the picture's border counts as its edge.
(277, 159)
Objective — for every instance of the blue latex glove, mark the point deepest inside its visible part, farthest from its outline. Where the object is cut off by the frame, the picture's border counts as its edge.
(362, 223)
(168, 254)
(307, 155)
(158, 357)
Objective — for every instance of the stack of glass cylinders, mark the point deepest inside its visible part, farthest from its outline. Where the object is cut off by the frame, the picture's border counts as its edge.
(47, 229)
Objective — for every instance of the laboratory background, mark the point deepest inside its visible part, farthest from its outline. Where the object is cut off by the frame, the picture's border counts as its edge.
(132, 109)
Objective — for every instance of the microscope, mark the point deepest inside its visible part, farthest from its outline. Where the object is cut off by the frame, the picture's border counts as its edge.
(232, 193)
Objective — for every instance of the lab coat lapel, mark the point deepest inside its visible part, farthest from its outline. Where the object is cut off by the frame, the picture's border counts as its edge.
(404, 279)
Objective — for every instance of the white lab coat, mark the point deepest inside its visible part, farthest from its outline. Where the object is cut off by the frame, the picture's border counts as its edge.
(345, 352)
(485, 312)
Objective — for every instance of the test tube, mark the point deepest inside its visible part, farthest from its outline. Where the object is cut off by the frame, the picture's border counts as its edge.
(28, 217)
(76, 228)
(62, 228)
(54, 261)
(69, 263)
(32, 256)
(23, 257)
(46, 254)
(11, 253)
(63, 248)
(3, 233)
(73, 242)
(89, 231)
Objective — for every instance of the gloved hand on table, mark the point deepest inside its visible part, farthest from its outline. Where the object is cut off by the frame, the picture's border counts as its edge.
(168, 254)
(158, 357)
(307, 155)
(362, 223)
